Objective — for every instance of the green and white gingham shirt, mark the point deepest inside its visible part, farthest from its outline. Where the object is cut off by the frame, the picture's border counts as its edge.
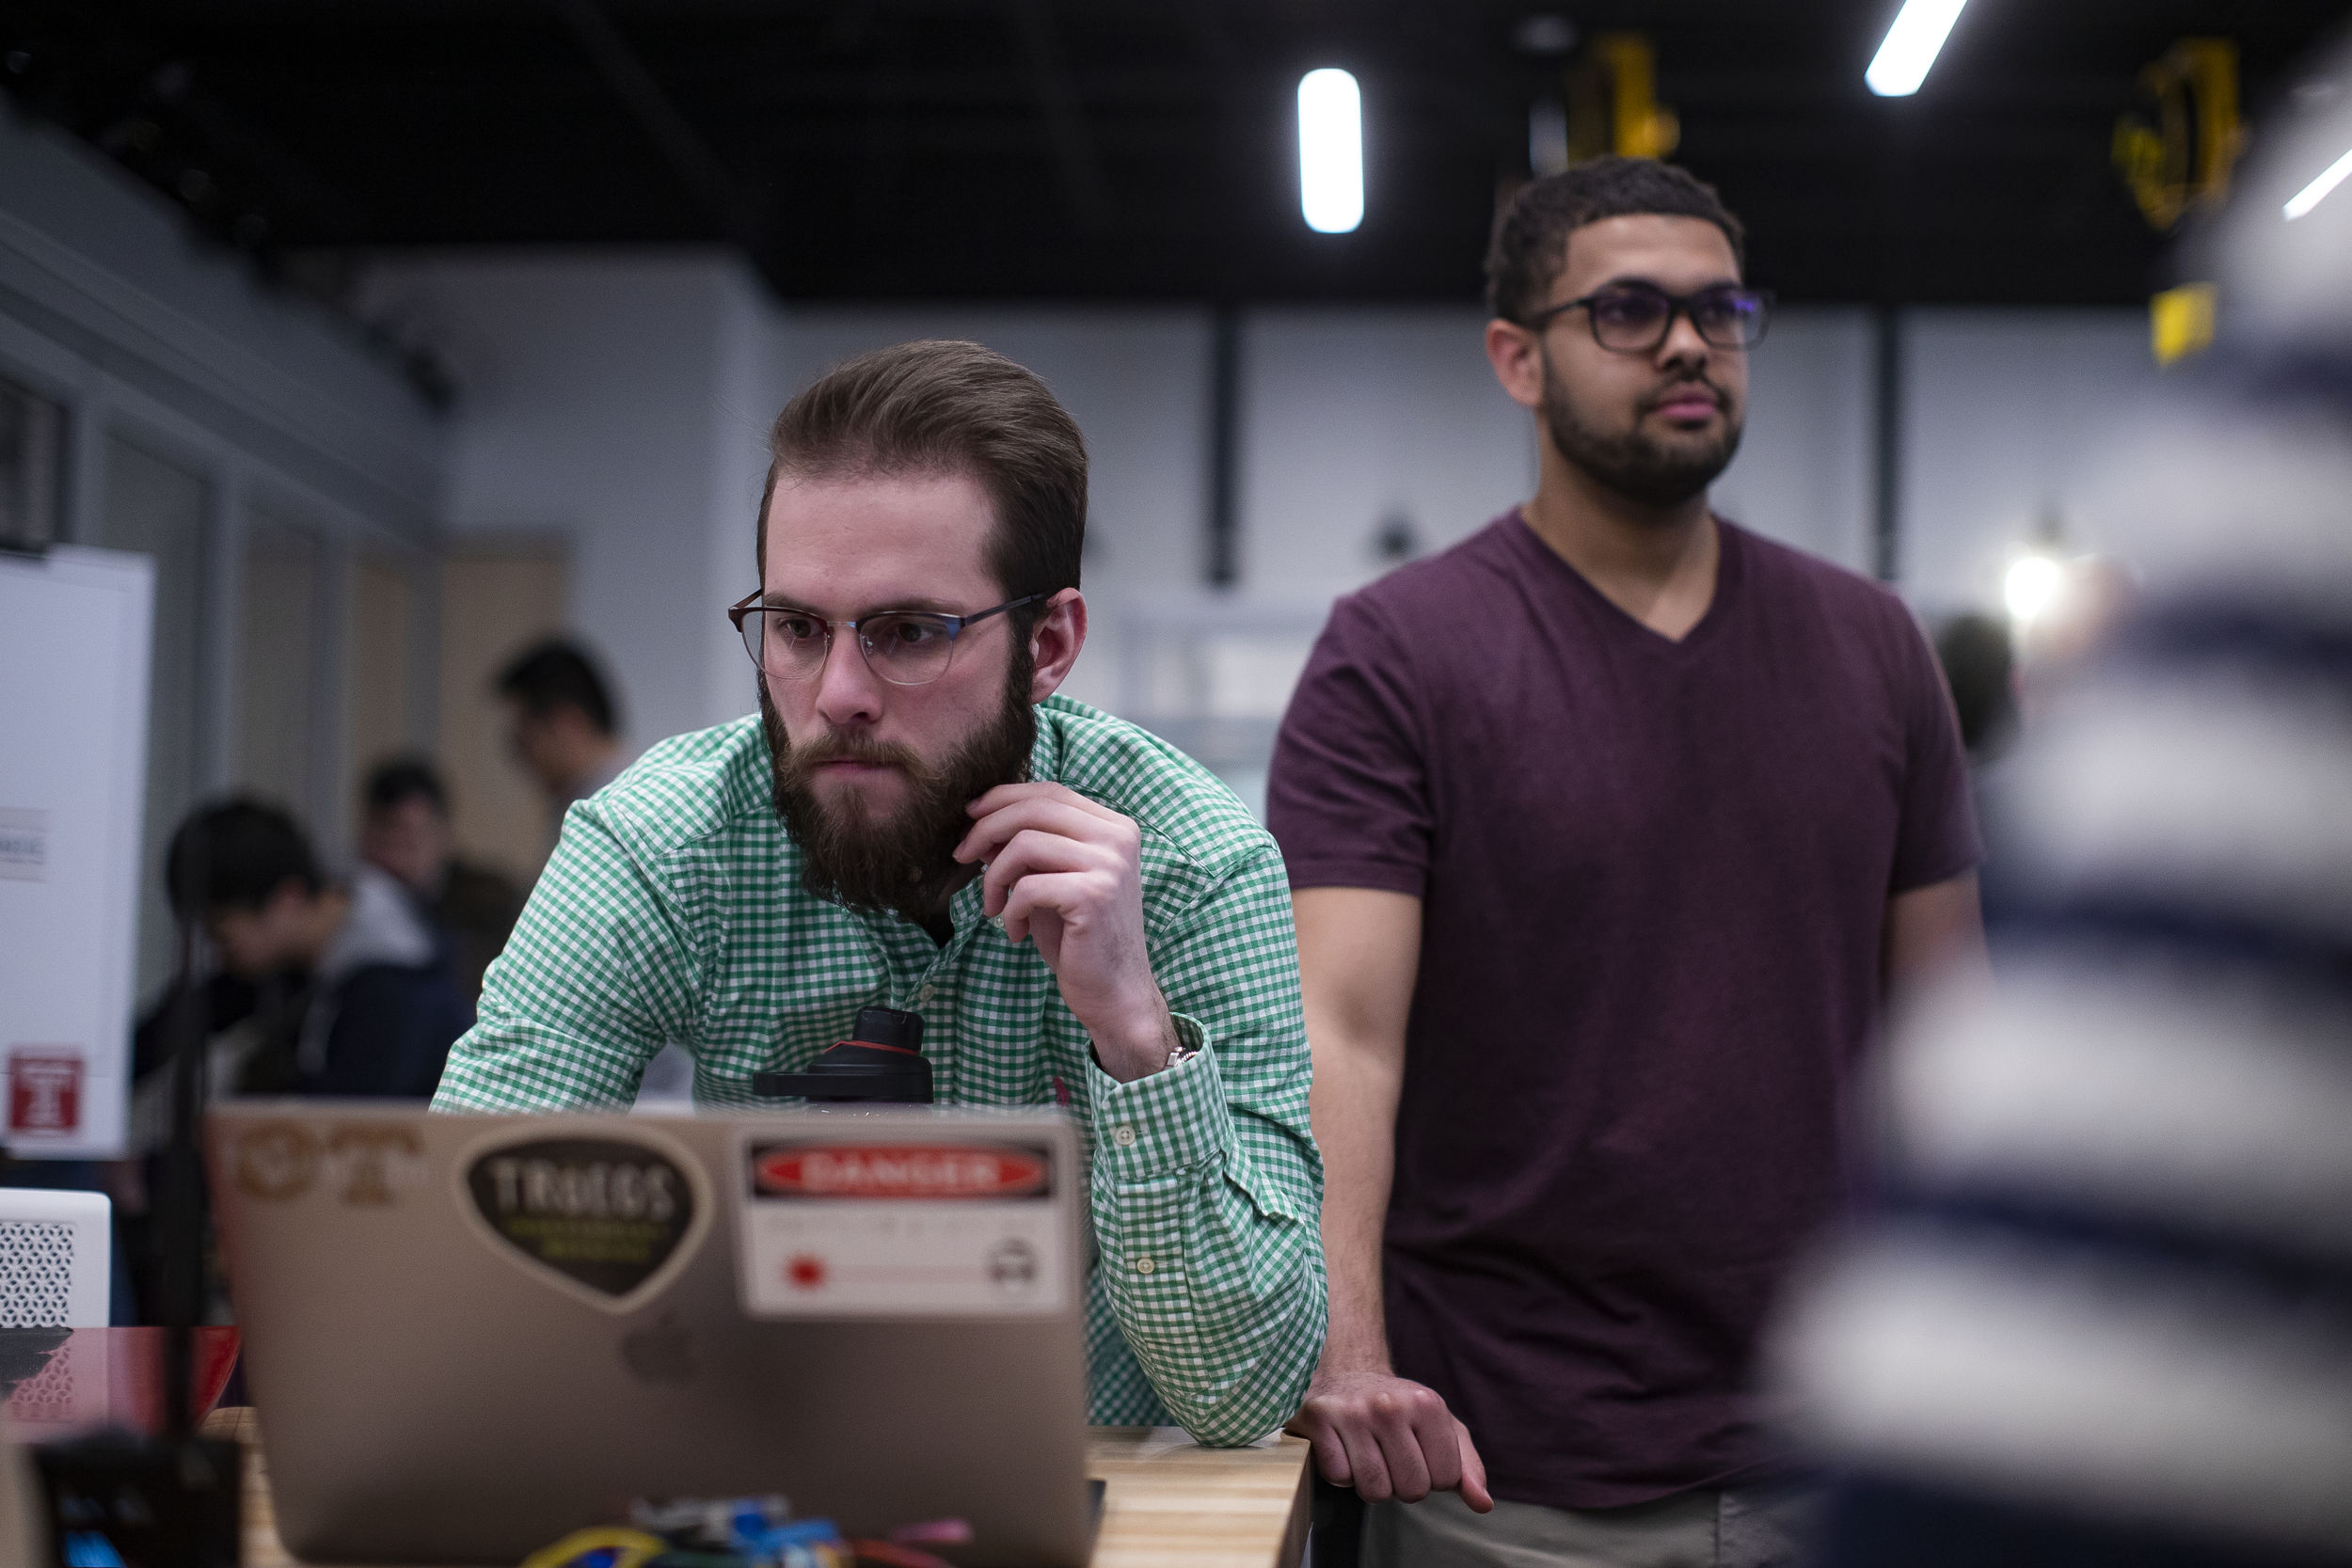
(673, 911)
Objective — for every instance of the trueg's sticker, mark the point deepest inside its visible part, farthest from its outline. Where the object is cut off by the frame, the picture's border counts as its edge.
(610, 1219)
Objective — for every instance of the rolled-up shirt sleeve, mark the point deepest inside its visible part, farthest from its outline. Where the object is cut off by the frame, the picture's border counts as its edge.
(1207, 1189)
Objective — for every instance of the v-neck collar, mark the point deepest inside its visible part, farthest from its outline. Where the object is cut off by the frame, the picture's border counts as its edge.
(1728, 570)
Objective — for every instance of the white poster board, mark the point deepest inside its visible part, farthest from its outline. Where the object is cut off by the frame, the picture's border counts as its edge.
(74, 632)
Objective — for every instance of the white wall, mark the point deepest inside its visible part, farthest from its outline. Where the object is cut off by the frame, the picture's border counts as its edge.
(2005, 412)
(1353, 414)
(618, 401)
(1804, 472)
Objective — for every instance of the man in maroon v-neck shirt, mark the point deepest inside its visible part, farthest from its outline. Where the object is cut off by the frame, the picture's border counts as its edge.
(1610, 831)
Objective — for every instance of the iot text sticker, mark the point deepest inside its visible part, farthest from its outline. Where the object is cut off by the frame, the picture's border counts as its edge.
(909, 1227)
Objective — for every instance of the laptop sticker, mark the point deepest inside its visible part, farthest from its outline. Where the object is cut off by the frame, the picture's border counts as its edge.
(835, 1228)
(609, 1219)
(277, 1161)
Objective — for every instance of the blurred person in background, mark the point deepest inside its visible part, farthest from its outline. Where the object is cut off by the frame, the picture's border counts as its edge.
(2106, 1317)
(1979, 664)
(1978, 652)
(317, 989)
(562, 722)
(1610, 831)
(404, 830)
(323, 988)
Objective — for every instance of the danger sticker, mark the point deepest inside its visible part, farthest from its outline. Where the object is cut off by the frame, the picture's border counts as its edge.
(899, 1171)
(833, 1229)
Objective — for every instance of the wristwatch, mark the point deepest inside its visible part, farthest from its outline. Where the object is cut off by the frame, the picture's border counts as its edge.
(1181, 1053)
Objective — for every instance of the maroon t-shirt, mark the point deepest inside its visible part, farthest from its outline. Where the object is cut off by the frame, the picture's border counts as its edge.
(1654, 879)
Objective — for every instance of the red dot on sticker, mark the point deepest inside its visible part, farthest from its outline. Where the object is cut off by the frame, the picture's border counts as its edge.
(806, 1271)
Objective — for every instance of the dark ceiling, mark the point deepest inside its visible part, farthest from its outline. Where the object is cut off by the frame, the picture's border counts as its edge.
(1130, 150)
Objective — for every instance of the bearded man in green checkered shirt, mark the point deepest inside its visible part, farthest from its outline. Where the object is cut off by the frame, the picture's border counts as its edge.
(1082, 915)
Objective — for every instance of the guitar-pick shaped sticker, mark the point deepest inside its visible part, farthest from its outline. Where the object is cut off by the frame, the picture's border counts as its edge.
(612, 1220)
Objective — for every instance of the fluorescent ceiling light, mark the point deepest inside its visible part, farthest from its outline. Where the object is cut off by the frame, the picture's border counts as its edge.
(1330, 151)
(2031, 586)
(2316, 192)
(1911, 44)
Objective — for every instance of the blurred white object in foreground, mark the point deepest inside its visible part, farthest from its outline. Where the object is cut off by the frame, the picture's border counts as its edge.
(2105, 1313)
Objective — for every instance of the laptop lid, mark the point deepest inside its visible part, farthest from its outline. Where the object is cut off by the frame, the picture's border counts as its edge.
(467, 1335)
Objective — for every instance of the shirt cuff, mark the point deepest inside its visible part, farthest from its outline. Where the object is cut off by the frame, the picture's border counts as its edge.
(1163, 1122)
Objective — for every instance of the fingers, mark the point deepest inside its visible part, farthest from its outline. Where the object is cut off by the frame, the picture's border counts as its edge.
(1383, 1446)
(1430, 1428)
(990, 834)
(1324, 1438)
(1390, 1437)
(1400, 1435)
(1474, 1473)
(1042, 854)
(1066, 814)
(1006, 795)
(1036, 900)
(1366, 1463)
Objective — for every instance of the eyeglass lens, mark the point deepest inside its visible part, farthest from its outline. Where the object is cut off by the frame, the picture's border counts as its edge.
(905, 648)
(1638, 319)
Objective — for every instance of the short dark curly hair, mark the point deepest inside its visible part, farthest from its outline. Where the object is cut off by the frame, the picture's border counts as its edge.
(1530, 238)
(558, 673)
(235, 855)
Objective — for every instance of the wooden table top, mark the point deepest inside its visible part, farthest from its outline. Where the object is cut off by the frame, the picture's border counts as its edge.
(1166, 1501)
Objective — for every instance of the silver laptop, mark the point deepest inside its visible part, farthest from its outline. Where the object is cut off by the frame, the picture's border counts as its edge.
(467, 1336)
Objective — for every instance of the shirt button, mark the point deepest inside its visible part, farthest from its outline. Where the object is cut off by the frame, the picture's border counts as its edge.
(1144, 1264)
(926, 995)
(1125, 1136)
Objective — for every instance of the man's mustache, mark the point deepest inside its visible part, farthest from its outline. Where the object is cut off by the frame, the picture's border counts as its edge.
(816, 754)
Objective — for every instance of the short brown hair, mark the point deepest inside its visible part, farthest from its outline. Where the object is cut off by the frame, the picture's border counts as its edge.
(1530, 238)
(946, 407)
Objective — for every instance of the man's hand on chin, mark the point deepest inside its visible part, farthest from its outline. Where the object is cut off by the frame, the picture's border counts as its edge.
(1066, 873)
(1388, 1437)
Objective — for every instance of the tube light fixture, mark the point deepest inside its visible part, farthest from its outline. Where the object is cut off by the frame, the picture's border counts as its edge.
(1911, 46)
(1330, 151)
(2316, 192)
(2032, 585)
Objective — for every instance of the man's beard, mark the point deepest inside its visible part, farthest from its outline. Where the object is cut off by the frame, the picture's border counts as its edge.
(1636, 464)
(905, 861)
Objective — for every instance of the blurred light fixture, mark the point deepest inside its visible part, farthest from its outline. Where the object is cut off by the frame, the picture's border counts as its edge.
(2031, 586)
(1330, 151)
(1544, 35)
(1547, 136)
(2316, 192)
(2312, 97)
(1911, 46)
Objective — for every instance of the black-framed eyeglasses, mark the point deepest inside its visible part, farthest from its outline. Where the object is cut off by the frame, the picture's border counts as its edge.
(1635, 318)
(905, 647)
